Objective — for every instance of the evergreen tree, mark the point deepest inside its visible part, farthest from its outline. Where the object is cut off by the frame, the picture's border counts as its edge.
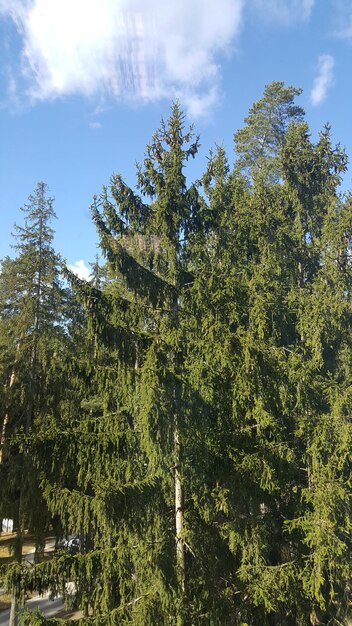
(273, 279)
(126, 497)
(208, 469)
(258, 143)
(317, 368)
(31, 328)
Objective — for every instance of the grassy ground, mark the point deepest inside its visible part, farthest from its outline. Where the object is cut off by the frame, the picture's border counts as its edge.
(5, 602)
(6, 542)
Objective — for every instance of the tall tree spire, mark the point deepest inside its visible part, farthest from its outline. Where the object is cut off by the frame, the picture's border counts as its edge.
(258, 143)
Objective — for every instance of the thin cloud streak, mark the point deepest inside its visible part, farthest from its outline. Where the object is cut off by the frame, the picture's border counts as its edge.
(285, 12)
(130, 50)
(344, 20)
(324, 79)
(95, 125)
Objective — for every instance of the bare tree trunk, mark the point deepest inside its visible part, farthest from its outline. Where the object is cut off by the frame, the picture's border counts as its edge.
(18, 553)
(3, 434)
(32, 384)
(179, 496)
(6, 416)
(179, 510)
(13, 621)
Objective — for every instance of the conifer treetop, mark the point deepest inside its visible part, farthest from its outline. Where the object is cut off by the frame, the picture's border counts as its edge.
(257, 143)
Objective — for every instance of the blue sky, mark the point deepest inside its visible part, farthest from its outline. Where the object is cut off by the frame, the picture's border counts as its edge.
(84, 83)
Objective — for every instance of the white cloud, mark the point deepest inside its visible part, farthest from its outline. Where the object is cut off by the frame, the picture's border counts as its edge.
(323, 80)
(284, 11)
(80, 269)
(126, 49)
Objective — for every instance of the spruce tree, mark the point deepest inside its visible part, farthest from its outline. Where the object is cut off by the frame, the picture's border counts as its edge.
(31, 322)
(321, 231)
(207, 469)
(272, 291)
(126, 497)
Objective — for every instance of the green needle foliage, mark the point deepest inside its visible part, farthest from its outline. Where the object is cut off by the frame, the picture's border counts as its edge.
(32, 326)
(33, 336)
(203, 449)
(258, 143)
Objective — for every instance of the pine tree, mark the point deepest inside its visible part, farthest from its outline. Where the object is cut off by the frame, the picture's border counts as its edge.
(258, 143)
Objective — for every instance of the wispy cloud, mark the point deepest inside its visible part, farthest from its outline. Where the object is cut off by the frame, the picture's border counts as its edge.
(343, 20)
(139, 50)
(306, 7)
(95, 125)
(345, 32)
(284, 11)
(323, 80)
(80, 269)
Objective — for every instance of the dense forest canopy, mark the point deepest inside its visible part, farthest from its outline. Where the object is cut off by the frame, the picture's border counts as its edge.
(187, 412)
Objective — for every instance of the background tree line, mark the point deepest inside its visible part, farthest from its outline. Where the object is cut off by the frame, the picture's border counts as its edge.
(187, 411)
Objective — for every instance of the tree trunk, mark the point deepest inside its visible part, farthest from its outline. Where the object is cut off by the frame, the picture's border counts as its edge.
(6, 416)
(32, 384)
(3, 435)
(179, 499)
(13, 621)
(179, 512)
